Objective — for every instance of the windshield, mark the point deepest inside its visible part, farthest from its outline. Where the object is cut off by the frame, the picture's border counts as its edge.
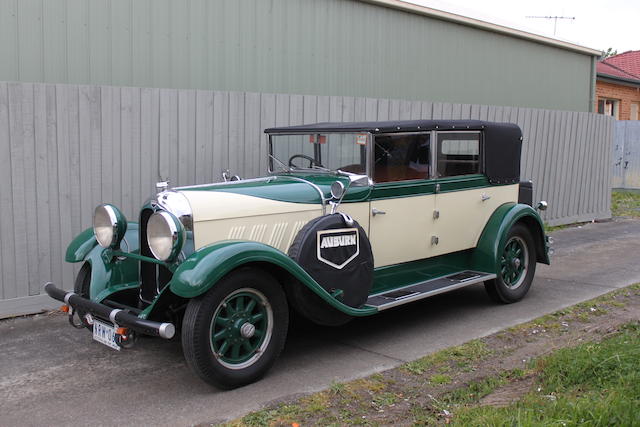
(326, 151)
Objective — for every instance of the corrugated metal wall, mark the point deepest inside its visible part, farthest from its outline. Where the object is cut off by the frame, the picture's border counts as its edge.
(68, 148)
(626, 154)
(321, 47)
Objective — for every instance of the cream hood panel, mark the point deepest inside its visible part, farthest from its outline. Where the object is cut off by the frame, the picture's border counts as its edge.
(213, 205)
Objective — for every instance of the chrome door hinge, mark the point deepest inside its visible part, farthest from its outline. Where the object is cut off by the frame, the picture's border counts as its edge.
(436, 214)
(435, 240)
(437, 188)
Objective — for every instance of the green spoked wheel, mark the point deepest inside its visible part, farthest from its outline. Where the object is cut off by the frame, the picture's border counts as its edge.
(516, 268)
(514, 262)
(233, 333)
(241, 328)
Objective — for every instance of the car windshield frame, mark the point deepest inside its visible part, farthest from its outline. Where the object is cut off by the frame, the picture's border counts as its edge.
(272, 160)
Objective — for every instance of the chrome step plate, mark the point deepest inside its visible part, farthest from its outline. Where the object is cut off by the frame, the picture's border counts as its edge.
(418, 291)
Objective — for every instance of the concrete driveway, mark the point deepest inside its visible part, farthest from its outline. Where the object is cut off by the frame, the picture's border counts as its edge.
(52, 374)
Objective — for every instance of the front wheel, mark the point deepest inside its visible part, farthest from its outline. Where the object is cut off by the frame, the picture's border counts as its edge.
(81, 287)
(517, 267)
(232, 334)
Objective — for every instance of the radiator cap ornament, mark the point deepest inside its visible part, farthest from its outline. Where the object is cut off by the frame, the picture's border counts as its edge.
(162, 186)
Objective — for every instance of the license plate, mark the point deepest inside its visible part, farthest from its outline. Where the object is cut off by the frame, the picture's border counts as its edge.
(105, 334)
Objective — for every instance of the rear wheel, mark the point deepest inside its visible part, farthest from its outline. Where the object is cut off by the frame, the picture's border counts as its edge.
(233, 334)
(517, 267)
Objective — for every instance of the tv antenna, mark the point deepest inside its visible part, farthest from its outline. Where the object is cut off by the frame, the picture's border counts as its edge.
(555, 20)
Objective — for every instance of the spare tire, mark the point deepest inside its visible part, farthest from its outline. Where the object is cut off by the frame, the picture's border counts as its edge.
(335, 251)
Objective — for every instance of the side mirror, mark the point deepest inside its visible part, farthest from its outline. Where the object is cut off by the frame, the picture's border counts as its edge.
(542, 205)
(359, 180)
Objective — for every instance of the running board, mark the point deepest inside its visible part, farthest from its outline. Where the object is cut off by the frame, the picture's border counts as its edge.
(418, 291)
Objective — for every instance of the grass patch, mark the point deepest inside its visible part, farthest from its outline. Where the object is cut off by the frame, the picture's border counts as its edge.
(592, 384)
(460, 356)
(582, 312)
(475, 390)
(440, 379)
(625, 203)
(551, 228)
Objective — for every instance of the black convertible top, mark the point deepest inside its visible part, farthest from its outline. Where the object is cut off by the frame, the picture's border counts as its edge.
(390, 126)
(502, 141)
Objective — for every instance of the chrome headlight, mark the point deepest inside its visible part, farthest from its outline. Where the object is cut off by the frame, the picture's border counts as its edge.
(165, 235)
(109, 226)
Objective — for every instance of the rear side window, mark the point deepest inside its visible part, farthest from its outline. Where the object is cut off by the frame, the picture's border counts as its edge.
(459, 153)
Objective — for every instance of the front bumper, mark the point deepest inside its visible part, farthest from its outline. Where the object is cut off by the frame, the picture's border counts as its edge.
(115, 315)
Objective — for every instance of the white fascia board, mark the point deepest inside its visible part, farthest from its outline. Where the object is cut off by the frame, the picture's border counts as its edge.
(483, 25)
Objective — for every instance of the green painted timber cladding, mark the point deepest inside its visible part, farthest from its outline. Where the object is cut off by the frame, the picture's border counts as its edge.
(316, 47)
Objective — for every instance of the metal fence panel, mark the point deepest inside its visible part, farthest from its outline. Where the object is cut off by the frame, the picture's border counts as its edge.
(626, 155)
(69, 147)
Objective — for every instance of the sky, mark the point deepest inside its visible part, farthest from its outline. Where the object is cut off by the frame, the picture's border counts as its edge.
(597, 24)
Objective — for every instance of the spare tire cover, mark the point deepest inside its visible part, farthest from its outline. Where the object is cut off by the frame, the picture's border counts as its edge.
(337, 255)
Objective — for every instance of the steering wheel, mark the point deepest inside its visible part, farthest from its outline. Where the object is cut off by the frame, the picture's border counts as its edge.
(312, 161)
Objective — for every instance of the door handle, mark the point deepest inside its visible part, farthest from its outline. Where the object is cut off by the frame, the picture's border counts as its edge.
(485, 197)
(375, 212)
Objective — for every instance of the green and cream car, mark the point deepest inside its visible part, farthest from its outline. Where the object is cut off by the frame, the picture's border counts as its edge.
(352, 219)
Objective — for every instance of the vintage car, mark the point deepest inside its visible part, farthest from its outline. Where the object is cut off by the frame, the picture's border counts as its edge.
(353, 219)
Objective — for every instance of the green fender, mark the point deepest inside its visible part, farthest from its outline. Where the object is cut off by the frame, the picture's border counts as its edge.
(486, 256)
(105, 275)
(84, 243)
(80, 247)
(205, 267)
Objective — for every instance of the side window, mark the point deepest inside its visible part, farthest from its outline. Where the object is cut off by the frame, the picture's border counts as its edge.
(401, 157)
(459, 153)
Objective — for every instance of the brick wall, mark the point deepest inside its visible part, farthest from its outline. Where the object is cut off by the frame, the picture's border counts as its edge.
(626, 95)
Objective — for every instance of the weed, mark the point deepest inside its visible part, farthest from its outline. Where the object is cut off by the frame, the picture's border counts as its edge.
(625, 203)
(423, 415)
(337, 388)
(317, 402)
(440, 379)
(461, 356)
(385, 399)
(592, 384)
(476, 390)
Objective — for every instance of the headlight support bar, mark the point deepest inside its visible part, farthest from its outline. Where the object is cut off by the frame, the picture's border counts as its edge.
(109, 254)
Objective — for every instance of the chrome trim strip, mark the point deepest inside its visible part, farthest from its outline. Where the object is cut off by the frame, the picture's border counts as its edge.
(369, 154)
(112, 315)
(67, 296)
(433, 167)
(216, 184)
